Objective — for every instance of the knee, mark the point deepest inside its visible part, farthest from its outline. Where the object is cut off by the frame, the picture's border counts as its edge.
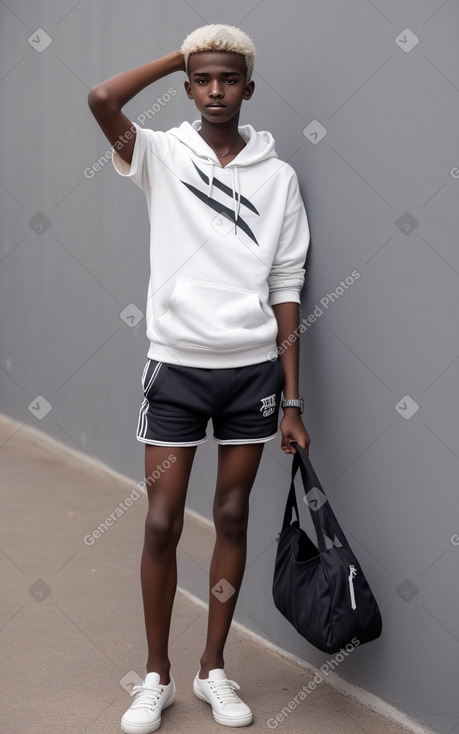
(162, 531)
(230, 518)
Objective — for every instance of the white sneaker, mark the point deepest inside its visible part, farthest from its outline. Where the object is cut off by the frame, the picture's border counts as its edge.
(144, 715)
(227, 707)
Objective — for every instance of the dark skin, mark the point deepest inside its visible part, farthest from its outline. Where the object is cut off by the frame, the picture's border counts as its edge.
(217, 84)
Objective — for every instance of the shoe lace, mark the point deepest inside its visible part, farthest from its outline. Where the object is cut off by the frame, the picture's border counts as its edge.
(225, 690)
(147, 696)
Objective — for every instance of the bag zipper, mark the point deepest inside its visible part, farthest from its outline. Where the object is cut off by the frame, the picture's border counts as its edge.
(352, 575)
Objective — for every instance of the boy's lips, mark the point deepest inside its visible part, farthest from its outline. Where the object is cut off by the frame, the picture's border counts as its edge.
(215, 104)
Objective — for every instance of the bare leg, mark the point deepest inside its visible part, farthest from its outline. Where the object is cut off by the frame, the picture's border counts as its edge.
(163, 527)
(237, 469)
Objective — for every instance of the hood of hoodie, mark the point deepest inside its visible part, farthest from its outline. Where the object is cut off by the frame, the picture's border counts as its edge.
(259, 147)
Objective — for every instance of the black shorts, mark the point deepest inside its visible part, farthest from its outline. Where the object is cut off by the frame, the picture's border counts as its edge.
(243, 403)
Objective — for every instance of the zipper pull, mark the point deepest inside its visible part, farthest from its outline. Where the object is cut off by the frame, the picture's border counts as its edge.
(352, 575)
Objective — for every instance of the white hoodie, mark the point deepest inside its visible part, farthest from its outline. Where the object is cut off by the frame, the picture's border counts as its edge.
(226, 244)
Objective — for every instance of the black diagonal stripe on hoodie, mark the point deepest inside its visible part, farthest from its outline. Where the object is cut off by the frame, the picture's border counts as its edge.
(221, 209)
(226, 189)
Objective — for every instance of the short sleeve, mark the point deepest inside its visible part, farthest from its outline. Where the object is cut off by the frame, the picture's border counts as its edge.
(147, 144)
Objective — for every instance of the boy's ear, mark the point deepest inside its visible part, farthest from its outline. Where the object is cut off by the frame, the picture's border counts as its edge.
(188, 89)
(249, 89)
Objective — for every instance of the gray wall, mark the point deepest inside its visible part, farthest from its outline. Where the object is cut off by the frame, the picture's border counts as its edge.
(381, 189)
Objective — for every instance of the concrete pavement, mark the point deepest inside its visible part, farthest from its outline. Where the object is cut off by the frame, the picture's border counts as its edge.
(71, 624)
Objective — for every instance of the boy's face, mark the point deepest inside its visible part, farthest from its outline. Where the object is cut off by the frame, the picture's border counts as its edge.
(217, 84)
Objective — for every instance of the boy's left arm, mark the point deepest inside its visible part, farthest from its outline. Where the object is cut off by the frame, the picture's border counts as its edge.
(292, 428)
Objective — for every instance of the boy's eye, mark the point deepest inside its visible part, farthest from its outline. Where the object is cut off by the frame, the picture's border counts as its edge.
(205, 81)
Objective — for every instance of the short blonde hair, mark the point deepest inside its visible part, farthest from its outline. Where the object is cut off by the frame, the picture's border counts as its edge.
(218, 37)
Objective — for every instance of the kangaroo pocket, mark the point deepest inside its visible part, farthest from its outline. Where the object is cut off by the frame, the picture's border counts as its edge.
(214, 317)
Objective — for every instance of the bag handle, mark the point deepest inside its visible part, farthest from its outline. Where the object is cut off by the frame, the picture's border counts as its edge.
(291, 503)
(328, 530)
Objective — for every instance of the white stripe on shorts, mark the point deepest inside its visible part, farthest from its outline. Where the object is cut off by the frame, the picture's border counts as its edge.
(142, 424)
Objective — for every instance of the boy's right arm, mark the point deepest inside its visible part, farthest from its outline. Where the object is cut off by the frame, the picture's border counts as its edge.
(107, 99)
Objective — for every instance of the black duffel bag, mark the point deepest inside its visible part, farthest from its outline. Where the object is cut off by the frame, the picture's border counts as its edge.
(321, 590)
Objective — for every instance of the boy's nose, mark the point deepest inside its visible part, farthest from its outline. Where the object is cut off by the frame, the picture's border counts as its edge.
(215, 90)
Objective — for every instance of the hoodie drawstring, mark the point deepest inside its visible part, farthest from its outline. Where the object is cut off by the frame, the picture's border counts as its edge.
(211, 179)
(236, 196)
(235, 188)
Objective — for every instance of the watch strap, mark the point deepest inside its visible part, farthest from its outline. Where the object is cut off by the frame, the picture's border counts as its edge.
(297, 403)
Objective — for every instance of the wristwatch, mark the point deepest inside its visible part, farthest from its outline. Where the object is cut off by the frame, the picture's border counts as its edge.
(298, 403)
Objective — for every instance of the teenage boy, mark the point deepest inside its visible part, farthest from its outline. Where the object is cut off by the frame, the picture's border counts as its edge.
(229, 236)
